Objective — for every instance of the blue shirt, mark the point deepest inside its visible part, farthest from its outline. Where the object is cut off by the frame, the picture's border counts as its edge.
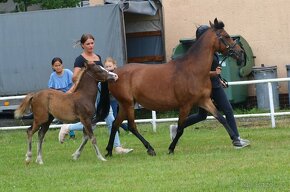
(61, 82)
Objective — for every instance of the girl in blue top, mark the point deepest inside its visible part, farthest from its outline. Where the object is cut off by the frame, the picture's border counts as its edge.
(60, 79)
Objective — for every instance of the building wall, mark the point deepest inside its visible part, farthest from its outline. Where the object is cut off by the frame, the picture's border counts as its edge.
(96, 2)
(263, 23)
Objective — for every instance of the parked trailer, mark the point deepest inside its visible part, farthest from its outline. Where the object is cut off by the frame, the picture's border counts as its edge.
(29, 41)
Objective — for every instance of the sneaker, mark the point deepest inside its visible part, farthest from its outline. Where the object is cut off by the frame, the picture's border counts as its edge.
(121, 150)
(63, 132)
(238, 144)
(244, 140)
(73, 137)
(173, 131)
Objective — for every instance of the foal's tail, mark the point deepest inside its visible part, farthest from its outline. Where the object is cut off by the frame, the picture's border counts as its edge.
(24, 106)
(103, 107)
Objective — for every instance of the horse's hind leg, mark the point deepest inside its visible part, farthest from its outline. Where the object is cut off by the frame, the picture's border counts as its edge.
(30, 131)
(78, 152)
(209, 106)
(41, 134)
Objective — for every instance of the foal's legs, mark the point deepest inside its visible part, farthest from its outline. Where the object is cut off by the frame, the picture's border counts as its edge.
(30, 131)
(88, 128)
(77, 153)
(41, 134)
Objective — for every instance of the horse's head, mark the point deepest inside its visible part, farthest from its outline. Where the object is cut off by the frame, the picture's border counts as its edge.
(100, 73)
(226, 45)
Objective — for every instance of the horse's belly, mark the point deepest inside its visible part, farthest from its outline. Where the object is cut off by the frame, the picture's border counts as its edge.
(157, 105)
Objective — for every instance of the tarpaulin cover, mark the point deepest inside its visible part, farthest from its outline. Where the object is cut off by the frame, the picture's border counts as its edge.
(30, 40)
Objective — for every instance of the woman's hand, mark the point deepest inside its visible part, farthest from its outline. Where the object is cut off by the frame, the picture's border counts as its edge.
(218, 70)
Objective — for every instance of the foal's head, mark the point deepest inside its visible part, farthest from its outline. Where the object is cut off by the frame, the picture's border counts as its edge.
(227, 46)
(99, 73)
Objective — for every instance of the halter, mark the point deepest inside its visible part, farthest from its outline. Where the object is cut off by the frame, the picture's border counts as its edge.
(92, 76)
(230, 48)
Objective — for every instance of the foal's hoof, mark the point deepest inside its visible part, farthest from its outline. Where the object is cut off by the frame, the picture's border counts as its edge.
(102, 158)
(39, 161)
(27, 162)
(76, 156)
(151, 152)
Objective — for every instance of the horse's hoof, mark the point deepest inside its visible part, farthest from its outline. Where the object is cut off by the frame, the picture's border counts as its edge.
(27, 162)
(102, 159)
(171, 152)
(75, 156)
(151, 152)
(39, 161)
(109, 154)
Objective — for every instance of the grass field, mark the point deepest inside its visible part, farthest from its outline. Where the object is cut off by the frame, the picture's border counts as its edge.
(204, 160)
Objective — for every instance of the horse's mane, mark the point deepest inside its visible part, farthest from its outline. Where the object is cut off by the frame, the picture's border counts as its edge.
(195, 47)
(79, 77)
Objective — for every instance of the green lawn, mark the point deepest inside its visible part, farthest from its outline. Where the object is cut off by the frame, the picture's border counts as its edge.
(204, 160)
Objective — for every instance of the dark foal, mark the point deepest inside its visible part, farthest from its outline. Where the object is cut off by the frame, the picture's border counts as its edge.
(71, 107)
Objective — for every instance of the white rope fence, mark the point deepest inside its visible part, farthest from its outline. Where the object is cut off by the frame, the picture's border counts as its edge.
(154, 119)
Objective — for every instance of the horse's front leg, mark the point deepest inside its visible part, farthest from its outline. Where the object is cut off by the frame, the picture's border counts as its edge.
(77, 153)
(109, 147)
(150, 149)
(89, 131)
(183, 113)
(115, 125)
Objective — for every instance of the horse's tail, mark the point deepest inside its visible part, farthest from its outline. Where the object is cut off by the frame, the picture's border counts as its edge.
(103, 107)
(23, 107)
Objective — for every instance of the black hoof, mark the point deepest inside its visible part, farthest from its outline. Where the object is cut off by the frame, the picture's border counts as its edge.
(151, 152)
(109, 154)
(171, 152)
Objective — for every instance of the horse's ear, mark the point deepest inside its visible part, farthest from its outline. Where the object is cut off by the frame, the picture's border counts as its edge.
(86, 64)
(211, 25)
(216, 22)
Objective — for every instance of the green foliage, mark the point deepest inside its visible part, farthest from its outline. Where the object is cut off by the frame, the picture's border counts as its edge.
(204, 160)
(54, 4)
(22, 5)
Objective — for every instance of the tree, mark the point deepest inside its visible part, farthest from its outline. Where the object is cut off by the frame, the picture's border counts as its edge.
(45, 4)
(54, 4)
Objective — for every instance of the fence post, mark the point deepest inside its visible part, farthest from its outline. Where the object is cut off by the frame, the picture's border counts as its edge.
(154, 120)
(271, 102)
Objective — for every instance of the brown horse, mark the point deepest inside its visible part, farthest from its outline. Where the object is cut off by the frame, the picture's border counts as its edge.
(70, 107)
(179, 84)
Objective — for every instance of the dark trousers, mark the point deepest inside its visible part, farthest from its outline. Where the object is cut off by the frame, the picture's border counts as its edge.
(114, 105)
(220, 98)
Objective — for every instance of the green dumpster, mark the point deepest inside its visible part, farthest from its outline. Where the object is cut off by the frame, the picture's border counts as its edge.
(230, 69)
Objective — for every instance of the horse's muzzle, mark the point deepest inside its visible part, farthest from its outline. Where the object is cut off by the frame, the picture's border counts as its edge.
(112, 76)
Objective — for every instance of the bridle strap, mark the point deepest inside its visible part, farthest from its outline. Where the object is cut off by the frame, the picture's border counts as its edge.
(91, 75)
(230, 48)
